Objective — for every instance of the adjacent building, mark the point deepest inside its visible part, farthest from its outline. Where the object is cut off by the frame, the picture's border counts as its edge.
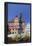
(14, 25)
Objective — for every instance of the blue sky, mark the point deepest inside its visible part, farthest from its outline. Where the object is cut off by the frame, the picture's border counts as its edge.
(15, 9)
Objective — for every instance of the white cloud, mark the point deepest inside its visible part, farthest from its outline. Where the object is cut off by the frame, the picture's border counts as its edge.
(28, 27)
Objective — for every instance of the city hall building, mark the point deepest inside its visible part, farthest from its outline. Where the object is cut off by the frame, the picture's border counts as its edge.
(13, 26)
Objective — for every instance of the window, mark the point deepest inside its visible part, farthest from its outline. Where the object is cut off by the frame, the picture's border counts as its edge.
(10, 29)
(12, 32)
(9, 32)
(16, 29)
